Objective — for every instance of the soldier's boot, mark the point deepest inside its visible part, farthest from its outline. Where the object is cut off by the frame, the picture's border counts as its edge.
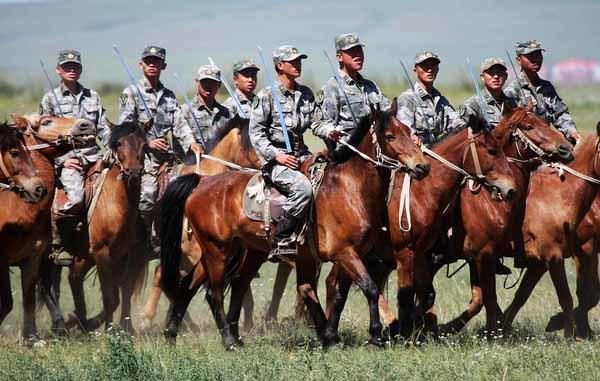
(501, 269)
(152, 241)
(63, 227)
(522, 262)
(284, 245)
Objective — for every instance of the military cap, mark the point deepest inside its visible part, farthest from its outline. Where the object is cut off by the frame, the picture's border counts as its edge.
(492, 61)
(527, 47)
(346, 41)
(244, 64)
(154, 51)
(209, 72)
(65, 56)
(424, 56)
(286, 53)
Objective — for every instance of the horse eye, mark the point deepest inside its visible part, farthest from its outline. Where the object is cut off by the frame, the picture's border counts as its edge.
(493, 151)
(389, 137)
(46, 122)
(15, 153)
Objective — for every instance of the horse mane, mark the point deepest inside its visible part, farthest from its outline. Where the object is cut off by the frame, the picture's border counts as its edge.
(9, 136)
(230, 125)
(514, 116)
(124, 129)
(341, 153)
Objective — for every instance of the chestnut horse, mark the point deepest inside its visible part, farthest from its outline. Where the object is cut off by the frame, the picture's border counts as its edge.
(25, 226)
(487, 227)
(348, 214)
(551, 222)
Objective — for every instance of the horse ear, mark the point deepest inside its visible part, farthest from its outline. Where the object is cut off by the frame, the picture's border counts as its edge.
(394, 108)
(598, 129)
(148, 125)
(20, 122)
(110, 124)
(529, 107)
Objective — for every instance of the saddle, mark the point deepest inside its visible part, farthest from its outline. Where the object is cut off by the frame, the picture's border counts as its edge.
(263, 202)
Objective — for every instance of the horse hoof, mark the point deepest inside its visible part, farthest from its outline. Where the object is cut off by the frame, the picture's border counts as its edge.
(239, 342)
(555, 323)
(377, 342)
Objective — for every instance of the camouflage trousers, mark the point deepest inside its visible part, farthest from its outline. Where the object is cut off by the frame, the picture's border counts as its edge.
(72, 181)
(295, 185)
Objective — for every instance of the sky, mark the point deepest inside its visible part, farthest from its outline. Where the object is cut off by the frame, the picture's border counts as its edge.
(227, 30)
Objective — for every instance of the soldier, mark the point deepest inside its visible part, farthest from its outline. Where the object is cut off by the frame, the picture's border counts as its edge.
(362, 93)
(212, 116)
(166, 117)
(78, 102)
(244, 76)
(493, 74)
(431, 116)
(266, 134)
(530, 87)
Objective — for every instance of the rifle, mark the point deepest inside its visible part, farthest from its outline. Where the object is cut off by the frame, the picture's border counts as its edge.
(231, 93)
(189, 104)
(51, 89)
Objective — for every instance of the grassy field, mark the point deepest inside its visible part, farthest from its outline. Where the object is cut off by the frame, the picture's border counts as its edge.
(289, 351)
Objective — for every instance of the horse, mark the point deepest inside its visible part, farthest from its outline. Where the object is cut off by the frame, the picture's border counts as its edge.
(109, 242)
(25, 226)
(487, 228)
(551, 222)
(348, 213)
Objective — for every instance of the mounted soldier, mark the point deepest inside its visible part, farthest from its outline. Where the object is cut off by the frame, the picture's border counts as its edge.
(245, 74)
(72, 99)
(151, 103)
(529, 87)
(337, 120)
(280, 166)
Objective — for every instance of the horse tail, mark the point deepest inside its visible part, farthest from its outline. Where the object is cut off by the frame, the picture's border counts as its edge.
(171, 227)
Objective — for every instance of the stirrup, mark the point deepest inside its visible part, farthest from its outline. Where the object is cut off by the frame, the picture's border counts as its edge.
(286, 248)
(61, 258)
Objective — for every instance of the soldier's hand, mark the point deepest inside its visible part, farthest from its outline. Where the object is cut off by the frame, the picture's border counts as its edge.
(73, 163)
(159, 145)
(576, 137)
(289, 161)
(415, 139)
(197, 149)
(335, 135)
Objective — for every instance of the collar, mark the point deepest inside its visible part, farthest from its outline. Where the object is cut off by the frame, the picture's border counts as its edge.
(145, 84)
(242, 97)
(489, 99)
(199, 104)
(423, 93)
(64, 90)
(284, 90)
(349, 81)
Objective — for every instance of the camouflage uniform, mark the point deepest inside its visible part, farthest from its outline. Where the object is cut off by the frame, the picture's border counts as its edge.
(431, 116)
(547, 103)
(211, 120)
(362, 94)
(167, 117)
(245, 102)
(494, 109)
(85, 104)
(266, 135)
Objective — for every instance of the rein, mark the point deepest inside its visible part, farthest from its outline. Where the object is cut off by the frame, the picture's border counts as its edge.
(12, 186)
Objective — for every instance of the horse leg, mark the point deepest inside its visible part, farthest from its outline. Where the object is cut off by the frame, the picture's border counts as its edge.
(283, 273)
(588, 291)
(108, 286)
(49, 274)
(339, 292)
(559, 279)
(332, 291)
(152, 303)
(6, 299)
(178, 312)
(532, 276)
(487, 277)
(380, 274)
(30, 272)
(406, 292)
(475, 305)
(77, 273)
(306, 282)
(248, 305)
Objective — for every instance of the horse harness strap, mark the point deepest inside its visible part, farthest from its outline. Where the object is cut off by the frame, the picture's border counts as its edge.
(11, 184)
(99, 183)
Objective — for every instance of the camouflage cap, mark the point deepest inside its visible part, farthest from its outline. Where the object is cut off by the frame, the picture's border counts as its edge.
(424, 56)
(209, 72)
(286, 53)
(65, 56)
(244, 64)
(154, 51)
(346, 41)
(527, 47)
(492, 61)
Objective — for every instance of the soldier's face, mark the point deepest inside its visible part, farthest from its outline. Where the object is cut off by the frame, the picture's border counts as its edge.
(152, 66)
(292, 69)
(427, 71)
(245, 80)
(208, 88)
(352, 59)
(494, 77)
(532, 61)
(69, 71)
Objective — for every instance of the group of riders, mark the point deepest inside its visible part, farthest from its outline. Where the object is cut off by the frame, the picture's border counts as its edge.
(331, 114)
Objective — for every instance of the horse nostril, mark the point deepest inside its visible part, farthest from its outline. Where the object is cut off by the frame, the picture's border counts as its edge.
(564, 150)
(40, 191)
(510, 194)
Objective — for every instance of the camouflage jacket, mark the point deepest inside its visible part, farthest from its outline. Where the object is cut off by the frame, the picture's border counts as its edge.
(244, 101)
(335, 114)
(211, 121)
(165, 112)
(431, 118)
(494, 110)
(546, 101)
(266, 133)
(86, 104)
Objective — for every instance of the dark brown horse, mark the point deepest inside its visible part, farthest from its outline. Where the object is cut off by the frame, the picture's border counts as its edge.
(110, 240)
(488, 228)
(25, 226)
(550, 226)
(348, 216)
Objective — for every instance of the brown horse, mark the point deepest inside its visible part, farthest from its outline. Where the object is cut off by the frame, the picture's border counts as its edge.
(348, 214)
(25, 226)
(487, 227)
(110, 240)
(550, 226)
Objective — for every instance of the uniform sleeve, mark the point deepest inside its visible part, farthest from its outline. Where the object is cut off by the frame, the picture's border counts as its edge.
(327, 115)
(259, 120)
(102, 128)
(231, 106)
(562, 118)
(384, 103)
(406, 111)
(127, 106)
(455, 122)
(181, 130)
(47, 105)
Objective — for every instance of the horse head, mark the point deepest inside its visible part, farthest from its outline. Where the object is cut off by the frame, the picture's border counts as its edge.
(54, 130)
(129, 146)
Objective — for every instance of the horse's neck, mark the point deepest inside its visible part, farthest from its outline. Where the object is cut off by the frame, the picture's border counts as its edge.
(228, 149)
(443, 179)
(521, 171)
(120, 198)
